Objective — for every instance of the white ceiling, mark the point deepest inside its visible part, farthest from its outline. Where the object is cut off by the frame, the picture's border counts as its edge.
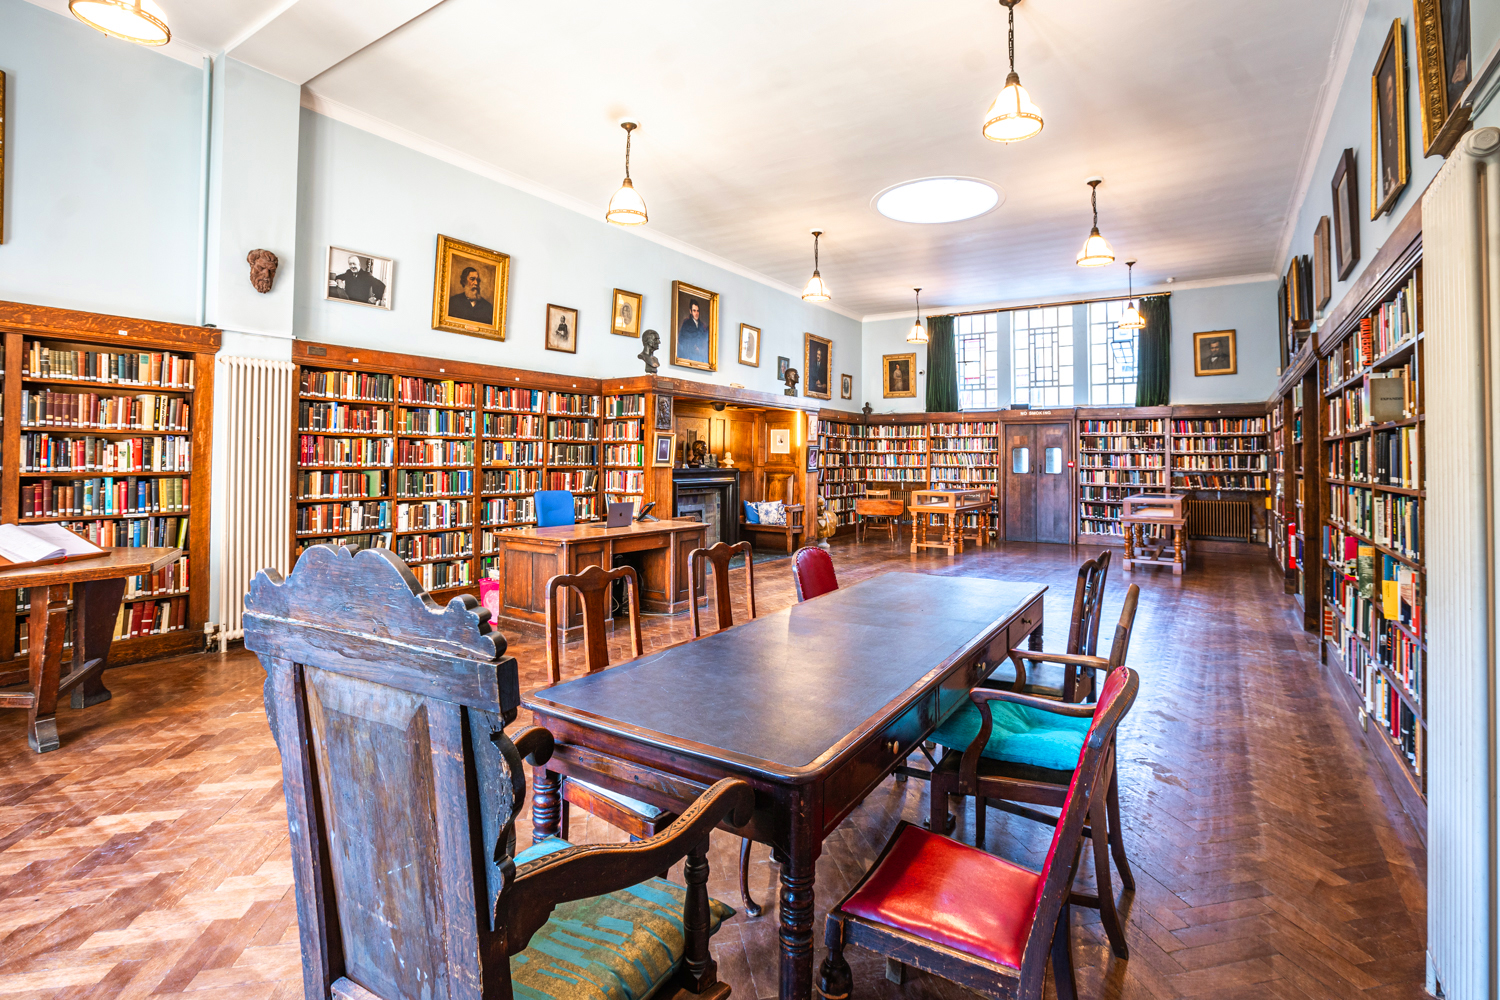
(762, 121)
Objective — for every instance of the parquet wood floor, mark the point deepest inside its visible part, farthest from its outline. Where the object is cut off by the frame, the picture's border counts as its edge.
(148, 856)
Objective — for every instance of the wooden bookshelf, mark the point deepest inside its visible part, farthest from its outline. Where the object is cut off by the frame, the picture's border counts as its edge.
(624, 442)
(108, 428)
(1121, 452)
(840, 480)
(1221, 454)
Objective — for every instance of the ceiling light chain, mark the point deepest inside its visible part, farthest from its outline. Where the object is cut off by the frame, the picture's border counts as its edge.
(1012, 117)
(816, 290)
(918, 333)
(1131, 319)
(1096, 250)
(626, 208)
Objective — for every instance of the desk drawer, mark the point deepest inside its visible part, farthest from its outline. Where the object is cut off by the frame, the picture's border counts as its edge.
(874, 759)
(1023, 625)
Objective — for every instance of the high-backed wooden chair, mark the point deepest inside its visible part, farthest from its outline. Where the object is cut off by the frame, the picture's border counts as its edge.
(812, 573)
(593, 585)
(402, 789)
(1083, 639)
(719, 555)
(971, 917)
(1020, 754)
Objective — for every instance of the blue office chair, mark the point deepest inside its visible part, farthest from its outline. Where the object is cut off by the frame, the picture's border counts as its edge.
(554, 508)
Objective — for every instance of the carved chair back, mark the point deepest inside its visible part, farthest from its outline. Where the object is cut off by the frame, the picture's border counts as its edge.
(719, 555)
(1088, 599)
(594, 586)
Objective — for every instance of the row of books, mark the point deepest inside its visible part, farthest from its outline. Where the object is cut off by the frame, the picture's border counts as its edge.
(439, 545)
(511, 481)
(44, 452)
(623, 430)
(1117, 442)
(624, 481)
(1392, 323)
(1383, 703)
(1134, 477)
(582, 481)
(505, 398)
(625, 454)
(126, 368)
(1378, 578)
(508, 510)
(439, 392)
(1115, 460)
(444, 575)
(1378, 398)
(1221, 425)
(314, 485)
(435, 483)
(1386, 519)
(134, 533)
(105, 496)
(421, 420)
(965, 459)
(887, 431)
(512, 453)
(986, 444)
(948, 474)
(572, 430)
(1241, 482)
(513, 425)
(170, 579)
(151, 618)
(1190, 444)
(895, 475)
(579, 455)
(886, 460)
(625, 406)
(413, 452)
(313, 449)
(1220, 463)
(573, 403)
(370, 387)
(878, 445)
(371, 515)
(964, 427)
(145, 412)
(1120, 427)
(313, 415)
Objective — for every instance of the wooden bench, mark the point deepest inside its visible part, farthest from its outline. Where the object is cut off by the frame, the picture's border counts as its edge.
(788, 534)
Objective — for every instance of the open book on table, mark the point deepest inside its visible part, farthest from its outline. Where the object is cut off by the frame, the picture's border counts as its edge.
(35, 544)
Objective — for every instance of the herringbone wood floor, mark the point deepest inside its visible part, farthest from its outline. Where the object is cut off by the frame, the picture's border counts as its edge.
(148, 856)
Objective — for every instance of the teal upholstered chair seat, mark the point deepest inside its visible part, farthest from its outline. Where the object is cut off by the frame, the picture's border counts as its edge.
(619, 946)
(645, 809)
(1021, 735)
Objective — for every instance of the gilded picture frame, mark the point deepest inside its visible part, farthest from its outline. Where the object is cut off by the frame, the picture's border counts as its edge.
(1441, 40)
(898, 375)
(695, 327)
(1390, 166)
(749, 345)
(459, 308)
(1214, 353)
(1345, 214)
(625, 313)
(1322, 263)
(817, 366)
(664, 450)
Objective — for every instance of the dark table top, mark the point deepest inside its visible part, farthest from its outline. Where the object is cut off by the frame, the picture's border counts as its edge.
(782, 692)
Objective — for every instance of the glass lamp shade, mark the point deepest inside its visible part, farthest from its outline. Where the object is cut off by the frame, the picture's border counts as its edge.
(626, 208)
(1132, 318)
(1012, 117)
(139, 21)
(816, 291)
(1096, 251)
(917, 335)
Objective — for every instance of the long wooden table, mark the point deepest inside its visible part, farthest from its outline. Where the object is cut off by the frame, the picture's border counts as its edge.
(527, 558)
(97, 587)
(813, 706)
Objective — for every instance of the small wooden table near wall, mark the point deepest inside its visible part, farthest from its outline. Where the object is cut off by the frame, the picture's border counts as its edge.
(952, 505)
(1164, 511)
(528, 557)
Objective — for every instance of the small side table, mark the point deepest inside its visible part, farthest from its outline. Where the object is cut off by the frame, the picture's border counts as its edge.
(890, 510)
(98, 586)
(952, 505)
(1165, 512)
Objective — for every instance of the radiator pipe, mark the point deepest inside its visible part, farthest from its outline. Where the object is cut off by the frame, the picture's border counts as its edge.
(205, 162)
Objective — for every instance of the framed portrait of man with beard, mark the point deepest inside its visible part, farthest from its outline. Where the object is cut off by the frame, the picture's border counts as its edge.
(469, 289)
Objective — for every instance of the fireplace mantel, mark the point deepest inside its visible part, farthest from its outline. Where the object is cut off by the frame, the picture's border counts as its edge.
(690, 483)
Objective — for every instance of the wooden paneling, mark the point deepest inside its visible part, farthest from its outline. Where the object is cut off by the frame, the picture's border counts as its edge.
(1019, 487)
(1054, 490)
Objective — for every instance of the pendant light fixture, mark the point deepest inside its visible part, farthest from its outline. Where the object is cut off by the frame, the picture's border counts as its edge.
(1012, 117)
(626, 208)
(1096, 250)
(816, 291)
(1132, 318)
(139, 21)
(918, 333)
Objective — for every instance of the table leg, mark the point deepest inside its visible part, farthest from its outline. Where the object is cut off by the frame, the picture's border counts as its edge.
(95, 607)
(798, 868)
(546, 803)
(1180, 543)
(918, 530)
(48, 621)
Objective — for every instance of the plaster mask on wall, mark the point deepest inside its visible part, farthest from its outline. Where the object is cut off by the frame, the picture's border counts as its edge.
(262, 269)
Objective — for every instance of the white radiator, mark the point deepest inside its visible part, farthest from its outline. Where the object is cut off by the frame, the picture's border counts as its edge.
(254, 466)
(1461, 294)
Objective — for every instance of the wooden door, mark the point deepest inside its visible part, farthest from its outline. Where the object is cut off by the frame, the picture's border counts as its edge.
(1019, 465)
(1054, 481)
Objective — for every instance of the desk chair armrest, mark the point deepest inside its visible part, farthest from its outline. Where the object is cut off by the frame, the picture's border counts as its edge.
(968, 767)
(594, 870)
(1018, 658)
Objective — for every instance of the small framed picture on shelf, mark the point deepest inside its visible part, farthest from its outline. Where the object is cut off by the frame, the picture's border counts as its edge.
(359, 277)
(782, 364)
(626, 314)
(846, 386)
(1213, 353)
(666, 444)
(1388, 141)
(562, 329)
(749, 345)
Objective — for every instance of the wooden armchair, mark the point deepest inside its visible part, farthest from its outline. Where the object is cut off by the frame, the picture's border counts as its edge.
(1083, 639)
(971, 917)
(786, 534)
(593, 586)
(402, 790)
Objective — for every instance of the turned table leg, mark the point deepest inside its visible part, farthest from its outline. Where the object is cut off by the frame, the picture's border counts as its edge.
(546, 802)
(798, 867)
(1180, 538)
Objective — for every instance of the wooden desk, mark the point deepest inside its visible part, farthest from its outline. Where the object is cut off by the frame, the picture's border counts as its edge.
(952, 505)
(528, 557)
(1164, 511)
(865, 507)
(97, 586)
(794, 702)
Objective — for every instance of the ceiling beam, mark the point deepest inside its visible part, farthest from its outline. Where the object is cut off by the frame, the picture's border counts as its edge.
(303, 38)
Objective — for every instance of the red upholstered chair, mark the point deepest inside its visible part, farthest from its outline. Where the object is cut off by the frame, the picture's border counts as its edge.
(971, 917)
(812, 573)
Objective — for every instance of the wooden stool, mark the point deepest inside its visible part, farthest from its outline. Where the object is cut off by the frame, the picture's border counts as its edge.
(1165, 511)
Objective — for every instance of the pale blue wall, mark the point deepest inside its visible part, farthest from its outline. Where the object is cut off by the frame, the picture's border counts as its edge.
(366, 193)
(101, 170)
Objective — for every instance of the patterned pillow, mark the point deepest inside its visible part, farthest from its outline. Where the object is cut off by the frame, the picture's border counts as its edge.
(619, 946)
(772, 513)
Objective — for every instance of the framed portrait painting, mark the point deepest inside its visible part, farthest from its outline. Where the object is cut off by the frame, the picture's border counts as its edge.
(1388, 143)
(665, 448)
(898, 375)
(846, 386)
(1444, 69)
(562, 329)
(1345, 215)
(817, 362)
(359, 277)
(749, 345)
(695, 327)
(782, 364)
(1322, 265)
(625, 314)
(1213, 353)
(469, 289)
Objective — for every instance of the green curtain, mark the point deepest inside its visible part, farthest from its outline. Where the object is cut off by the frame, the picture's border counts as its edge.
(1153, 381)
(942, 366)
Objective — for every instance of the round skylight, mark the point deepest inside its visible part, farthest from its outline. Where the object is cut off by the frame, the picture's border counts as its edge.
(938, 199)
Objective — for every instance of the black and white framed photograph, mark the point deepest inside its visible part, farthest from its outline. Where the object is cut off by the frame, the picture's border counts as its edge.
(562, 329)
(359, 277)
(749, 345)
(846, 386)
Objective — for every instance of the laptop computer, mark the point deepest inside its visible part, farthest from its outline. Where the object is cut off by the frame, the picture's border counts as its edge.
(620, 515)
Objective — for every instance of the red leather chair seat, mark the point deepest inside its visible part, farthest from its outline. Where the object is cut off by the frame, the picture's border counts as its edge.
(951, 894)
(813, 568)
